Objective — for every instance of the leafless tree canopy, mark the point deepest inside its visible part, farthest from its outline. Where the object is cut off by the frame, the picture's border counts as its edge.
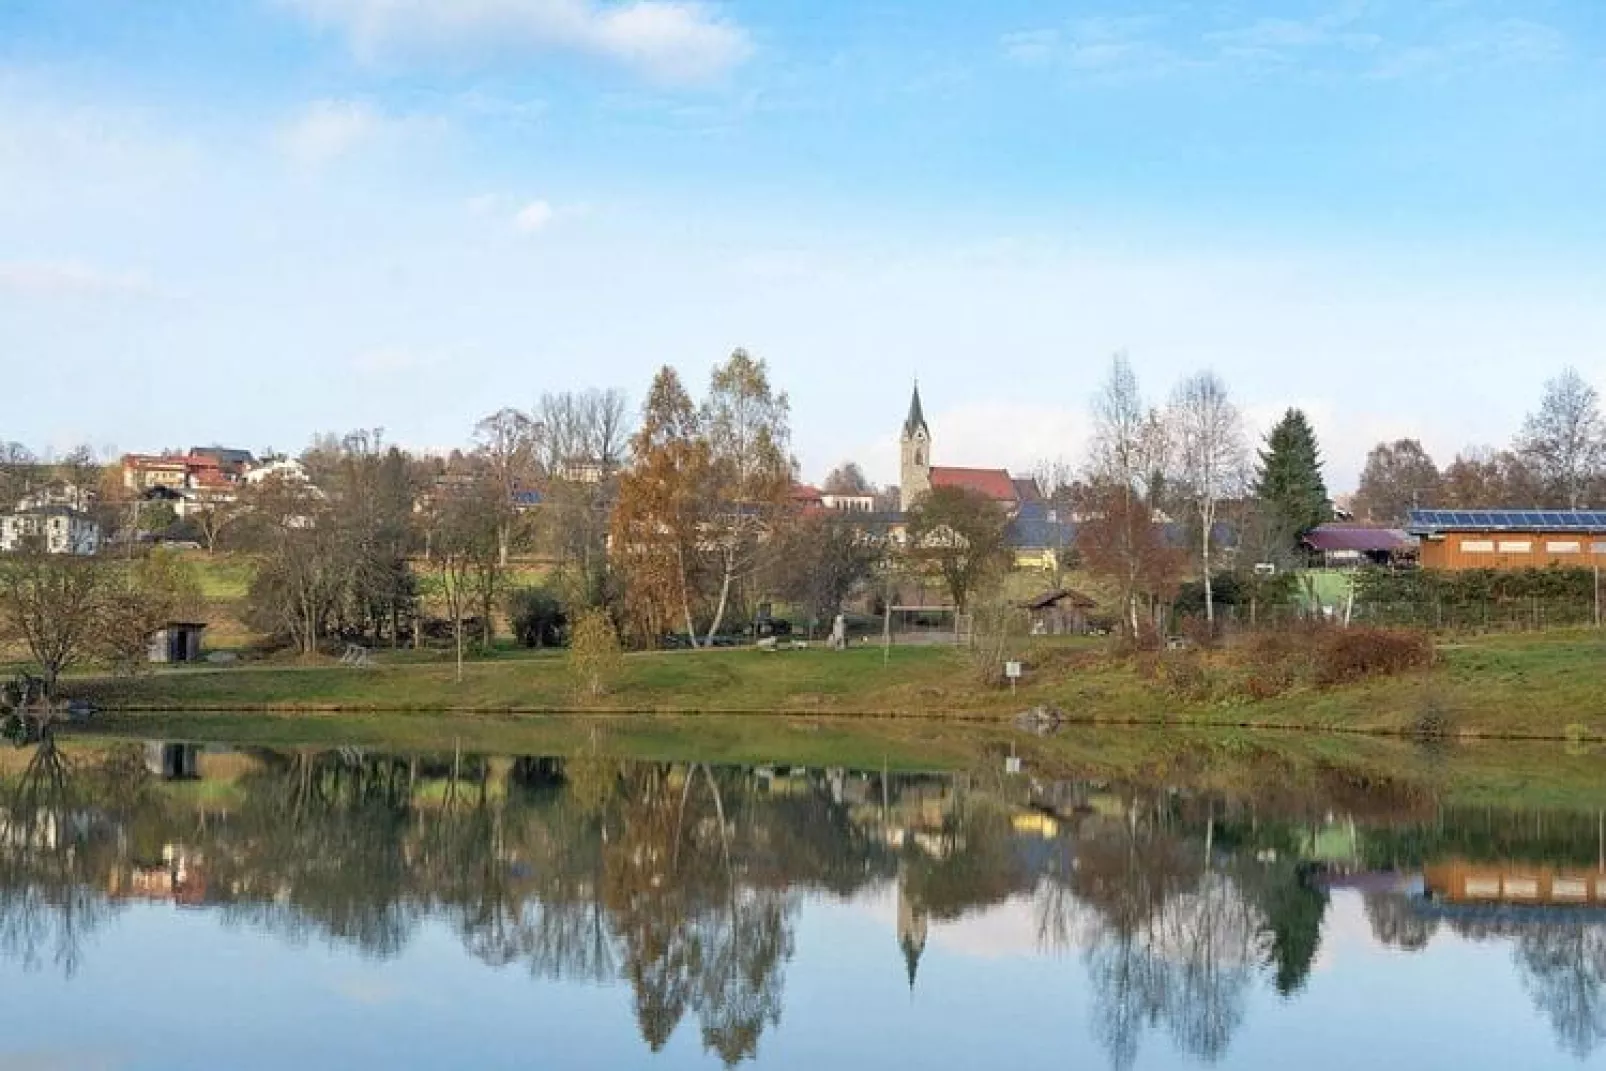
(1565, 440)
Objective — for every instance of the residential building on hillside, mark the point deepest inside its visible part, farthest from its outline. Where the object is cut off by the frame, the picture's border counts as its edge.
(283, 468)
(57, 493)
(141, 472)
(232, 463)
(1509, 538)
(62, 530)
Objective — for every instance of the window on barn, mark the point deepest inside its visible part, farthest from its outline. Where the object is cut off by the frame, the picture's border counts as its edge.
(1570, 546)
(1516, 546)
(1477, 546)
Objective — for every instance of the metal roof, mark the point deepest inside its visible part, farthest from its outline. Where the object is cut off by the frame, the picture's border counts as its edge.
(1355, 537)
(1429, 521)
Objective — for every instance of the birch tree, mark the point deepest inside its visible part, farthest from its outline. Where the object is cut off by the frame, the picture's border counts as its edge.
(748, 429)
(1211, 457)
(1127, 462)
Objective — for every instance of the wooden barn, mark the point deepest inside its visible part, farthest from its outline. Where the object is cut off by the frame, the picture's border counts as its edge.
(1061, 612)
(1509, 538)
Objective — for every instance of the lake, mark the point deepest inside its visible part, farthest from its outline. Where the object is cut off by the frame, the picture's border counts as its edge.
(168, 905)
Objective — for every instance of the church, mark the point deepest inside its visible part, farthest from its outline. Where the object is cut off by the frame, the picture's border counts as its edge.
(918, 476)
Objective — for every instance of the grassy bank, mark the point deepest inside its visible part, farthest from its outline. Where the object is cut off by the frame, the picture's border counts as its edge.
(1539, 685)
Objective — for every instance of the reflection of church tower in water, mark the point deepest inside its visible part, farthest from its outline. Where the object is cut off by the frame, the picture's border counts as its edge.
(911, 928)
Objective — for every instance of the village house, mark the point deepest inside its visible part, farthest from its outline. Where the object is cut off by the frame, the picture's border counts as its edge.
(232, 463)
(57, 493)
(60, 530)
(287, 469)
(1509, 538)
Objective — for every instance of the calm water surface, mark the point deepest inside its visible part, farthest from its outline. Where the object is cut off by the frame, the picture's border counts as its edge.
(181, 907)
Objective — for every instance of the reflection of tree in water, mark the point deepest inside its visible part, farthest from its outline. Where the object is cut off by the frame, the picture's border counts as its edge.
(49, 857)
(1174, 940)
(1564, 969)
(1396, 923)
(683, 882)
(317, 846)
(695, 939)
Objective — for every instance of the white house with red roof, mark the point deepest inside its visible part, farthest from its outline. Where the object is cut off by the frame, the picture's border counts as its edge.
(918, 476)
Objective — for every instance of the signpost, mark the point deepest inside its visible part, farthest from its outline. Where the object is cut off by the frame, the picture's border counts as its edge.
(1012, 670)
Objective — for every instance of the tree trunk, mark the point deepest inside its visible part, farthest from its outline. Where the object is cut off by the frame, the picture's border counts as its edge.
(685, 599)
(724, 598)
(457, 632)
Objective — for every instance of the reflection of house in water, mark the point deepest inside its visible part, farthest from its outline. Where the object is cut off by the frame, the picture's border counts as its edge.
(1458, 884)
(178, 878)
(173, 762)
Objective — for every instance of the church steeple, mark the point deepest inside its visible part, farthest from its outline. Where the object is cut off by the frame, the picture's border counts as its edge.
(915, 447)
(916, 421)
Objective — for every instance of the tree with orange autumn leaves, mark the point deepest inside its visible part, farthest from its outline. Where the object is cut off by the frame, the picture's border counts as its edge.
(706, 489)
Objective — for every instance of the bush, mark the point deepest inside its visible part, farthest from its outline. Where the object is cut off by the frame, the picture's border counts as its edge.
(537, 617)
(1185, 677)
(1353, 654)
(1321, 655)
(595, 658)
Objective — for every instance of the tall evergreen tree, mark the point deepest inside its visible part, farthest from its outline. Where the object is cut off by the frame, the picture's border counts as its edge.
(1288, 483)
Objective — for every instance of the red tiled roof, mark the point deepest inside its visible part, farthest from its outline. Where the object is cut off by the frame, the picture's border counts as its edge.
(996, 484)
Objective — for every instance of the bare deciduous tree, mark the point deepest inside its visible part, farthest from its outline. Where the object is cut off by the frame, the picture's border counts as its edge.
(505, 442)
(847, 479)
(1211, 458)
(1398, 477)
(1127, 462)
(1565, 440)
(53, 604)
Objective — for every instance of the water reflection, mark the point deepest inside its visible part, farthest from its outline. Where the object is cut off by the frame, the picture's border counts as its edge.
(683, 884)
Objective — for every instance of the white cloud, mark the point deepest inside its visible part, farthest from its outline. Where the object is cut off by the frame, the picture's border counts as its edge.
(331, 129)
(70, 278)
(668, 40)
(533, 217)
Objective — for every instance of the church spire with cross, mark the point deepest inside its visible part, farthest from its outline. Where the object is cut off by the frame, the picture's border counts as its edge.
(914, 472)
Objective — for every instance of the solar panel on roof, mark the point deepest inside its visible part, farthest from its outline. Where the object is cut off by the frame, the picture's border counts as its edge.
(1553, 520)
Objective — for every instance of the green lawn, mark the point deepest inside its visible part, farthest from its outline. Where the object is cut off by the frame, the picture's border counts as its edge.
(1544, 685)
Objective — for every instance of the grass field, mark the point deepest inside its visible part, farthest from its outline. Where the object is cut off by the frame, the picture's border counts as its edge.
(1539, 685)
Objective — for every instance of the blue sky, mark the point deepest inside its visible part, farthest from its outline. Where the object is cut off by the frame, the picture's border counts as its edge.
(252, 220)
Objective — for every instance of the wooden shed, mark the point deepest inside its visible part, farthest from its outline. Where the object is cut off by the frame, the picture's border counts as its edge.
(176, 641)
(1061, 612)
